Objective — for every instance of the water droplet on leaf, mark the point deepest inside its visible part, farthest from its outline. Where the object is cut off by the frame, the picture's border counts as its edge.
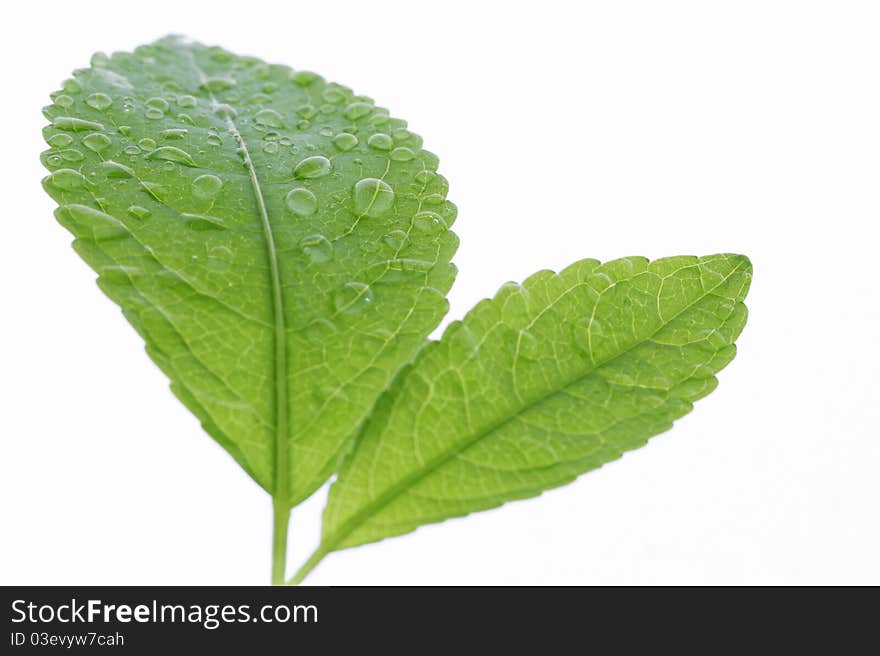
(395, 239)
(357, 110)
(372, 197)
(68, 179)
(353, 298)
(138, 212)
(429, 222)
(99, 101)
(216, 84)
(345, 141)
(312, 167)
(60, 140)
(206, 186)
(301, 202)
(72, 124)
(317, 248)
(96, 142)
(269, 118)
(71, 155)
(380, 141)
(171, 154)
(402, 154)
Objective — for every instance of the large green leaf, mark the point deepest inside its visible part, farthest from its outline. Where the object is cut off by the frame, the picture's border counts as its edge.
(281, 244)
(544, 382)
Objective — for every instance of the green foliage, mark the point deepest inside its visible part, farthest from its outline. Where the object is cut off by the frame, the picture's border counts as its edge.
(283, 247)
(280, 243)
(546, 381)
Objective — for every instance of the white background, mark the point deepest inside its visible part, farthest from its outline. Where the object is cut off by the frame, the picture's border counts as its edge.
(566, 130)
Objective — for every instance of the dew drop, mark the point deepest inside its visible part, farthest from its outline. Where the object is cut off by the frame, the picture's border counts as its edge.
(425, 176)
(214, 140)
(153, 189)
(99, 101)
(72, 124)
(96, 224)
(306, 111)
(429, 222)
(225, 111)
(312, 167)
(116, 171)
(317, 248)
(301, 202)
(124, 130)
(138, 212)
(353, 298)
(333, 95)
(157, 103)
(395, 239)
(206, 186)
(72, 86)
(357, 110)
(304, 78)
(71, 155)
(215, 84)
(402, 154)
(380, 141)
(154, 114)
(372, 197)
(64, 101)
(203, 222)
(68, 179)
(381, 117)
(173, 133)
(271, 148)
(317, 331)
(146, 143)
(187, 101)
(96, 142)
(171, 154)
(269, 117)
(60, 140)
(132, 150)
(345, 141)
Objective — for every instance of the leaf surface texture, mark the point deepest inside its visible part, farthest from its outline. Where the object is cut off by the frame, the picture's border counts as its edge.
(280, 243)
(546, 381)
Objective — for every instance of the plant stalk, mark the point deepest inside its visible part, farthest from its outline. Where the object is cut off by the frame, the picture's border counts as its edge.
(307, 567)
(281, 520)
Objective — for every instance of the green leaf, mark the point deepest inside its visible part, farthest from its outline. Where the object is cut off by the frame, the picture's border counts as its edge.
(544, 382)
(280, 243)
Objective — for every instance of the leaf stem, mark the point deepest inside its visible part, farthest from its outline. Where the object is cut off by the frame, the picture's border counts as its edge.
(281, 520)
(308, 566)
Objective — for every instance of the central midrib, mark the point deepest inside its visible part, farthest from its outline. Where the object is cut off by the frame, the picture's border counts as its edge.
(408, 482)
(281, 491)
(280, 486)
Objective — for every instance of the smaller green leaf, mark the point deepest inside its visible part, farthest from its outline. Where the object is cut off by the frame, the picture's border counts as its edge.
(544, 382)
